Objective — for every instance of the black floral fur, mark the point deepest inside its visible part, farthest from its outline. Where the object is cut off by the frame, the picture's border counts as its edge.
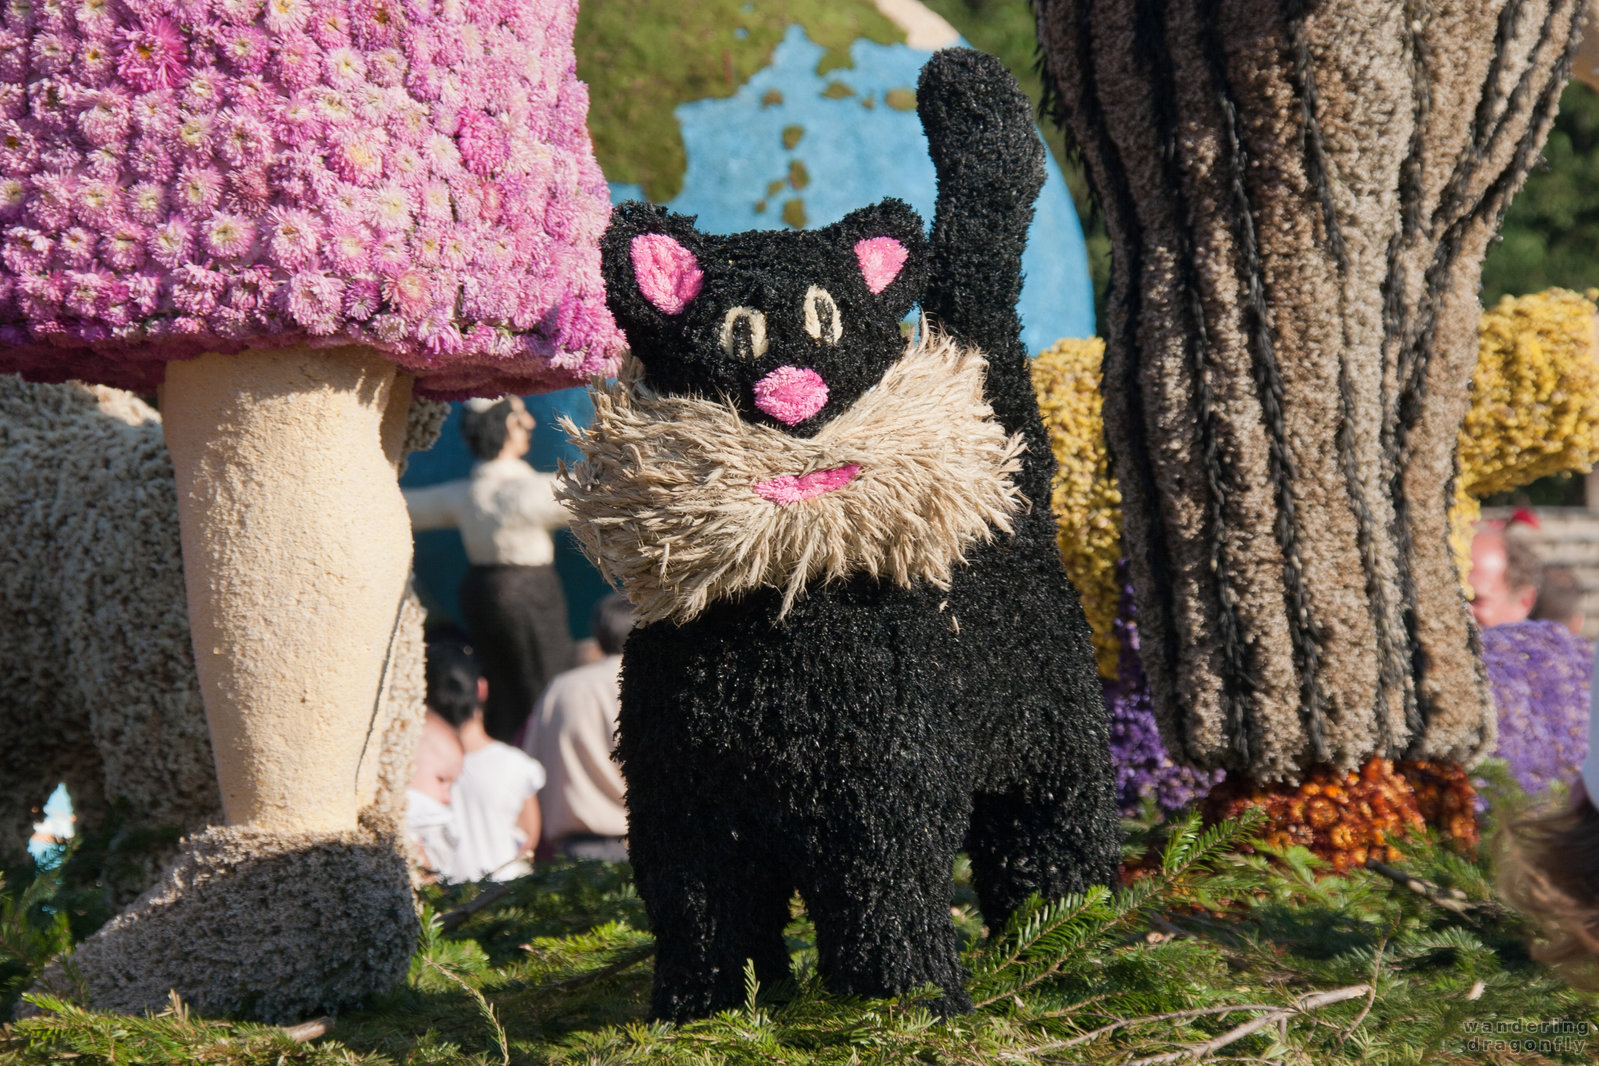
(850, 750)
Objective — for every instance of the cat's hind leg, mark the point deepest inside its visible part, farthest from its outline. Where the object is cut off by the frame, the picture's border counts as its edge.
(1054, 836)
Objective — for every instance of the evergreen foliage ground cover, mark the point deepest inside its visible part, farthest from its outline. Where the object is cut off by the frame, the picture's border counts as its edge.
(1215, 953)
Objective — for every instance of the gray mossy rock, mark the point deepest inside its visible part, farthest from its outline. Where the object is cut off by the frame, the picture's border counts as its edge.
(97, 684)
(277, 927)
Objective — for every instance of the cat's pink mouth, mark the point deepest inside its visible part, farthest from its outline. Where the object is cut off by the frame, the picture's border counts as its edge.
(789, 488)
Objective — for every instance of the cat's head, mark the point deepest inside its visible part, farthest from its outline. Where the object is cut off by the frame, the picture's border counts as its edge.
(793, 327)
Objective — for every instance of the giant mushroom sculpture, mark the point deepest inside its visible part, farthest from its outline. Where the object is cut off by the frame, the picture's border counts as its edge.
(283, 218)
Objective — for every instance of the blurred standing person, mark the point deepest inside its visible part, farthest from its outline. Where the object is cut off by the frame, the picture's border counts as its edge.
(494, 802)
(571, 732)
(511, 598)
(1505, 575)
(1560, 598)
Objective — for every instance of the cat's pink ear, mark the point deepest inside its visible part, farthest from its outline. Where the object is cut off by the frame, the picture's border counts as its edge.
(667, 273)
(880, 259)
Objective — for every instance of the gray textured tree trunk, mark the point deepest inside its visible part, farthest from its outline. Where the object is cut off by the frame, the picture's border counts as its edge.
(1299, 195)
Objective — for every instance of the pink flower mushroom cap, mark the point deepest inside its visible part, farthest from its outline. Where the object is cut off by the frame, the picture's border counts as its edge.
(188, 176)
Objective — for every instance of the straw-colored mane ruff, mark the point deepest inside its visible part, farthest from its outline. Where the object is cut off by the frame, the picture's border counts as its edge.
(665, 499)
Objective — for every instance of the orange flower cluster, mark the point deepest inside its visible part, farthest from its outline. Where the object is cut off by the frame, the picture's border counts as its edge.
(1344, 818)
(1446, 799)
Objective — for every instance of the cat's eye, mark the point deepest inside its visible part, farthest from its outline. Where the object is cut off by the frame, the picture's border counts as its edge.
(744, 333)
(821, 315)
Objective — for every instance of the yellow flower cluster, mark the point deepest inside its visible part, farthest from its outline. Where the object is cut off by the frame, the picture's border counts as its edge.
(1535, 394)
(1086, 501)
(1534, 402)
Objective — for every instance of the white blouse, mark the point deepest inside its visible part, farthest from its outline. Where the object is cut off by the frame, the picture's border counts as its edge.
(505, 510)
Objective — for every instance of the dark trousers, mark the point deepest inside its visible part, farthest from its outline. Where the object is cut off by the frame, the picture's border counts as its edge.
(517, 618)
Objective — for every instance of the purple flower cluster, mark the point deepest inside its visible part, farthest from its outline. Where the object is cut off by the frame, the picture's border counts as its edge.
(1541, 675)
(1136, 752)
(181, 176)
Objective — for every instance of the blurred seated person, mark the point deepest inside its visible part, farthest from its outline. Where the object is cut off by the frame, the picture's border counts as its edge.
(511, 598)
(1505, 576)
(495, 799)
(1560, 598)
(571, 732)
(429, 822)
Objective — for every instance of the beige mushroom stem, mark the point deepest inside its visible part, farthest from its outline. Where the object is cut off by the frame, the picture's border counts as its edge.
(296, 548)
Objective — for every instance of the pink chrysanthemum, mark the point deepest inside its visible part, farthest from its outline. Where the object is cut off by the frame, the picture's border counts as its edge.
(454, 250)
(435, 201)
(245, 47)
(482, 142)
(285, 16)
(442, 154)
(153, 56)
(51, 203)
(105, 122)
(151, 161)
(345, 67)
(251, 289)
(441, 335)
(361, 298)
(391, 209)
(357, 158)
(205, 90)
(147, 202)
(386, 67)
(315, 300)
(390, 254)
(48, 103)
(24, 251)
(144, 292)
(94, 17)
(244, 138)
(13, 194)
(411, 292)
(13, 56)
(232, 324)
(97, 61)
(347, 248)
(194, 131)
(228, 236)
(153, 113)
(123, 247)
(98, 201)
(425, 246)
(83, 292)
(199, 188)
(75, 248)
(298, 61)
(19, 150)
(295, 235)
(195, 289)
(13, 101)
(51, 53)
(170, 243)
(330, 26)
(113, 308)
(249, 189)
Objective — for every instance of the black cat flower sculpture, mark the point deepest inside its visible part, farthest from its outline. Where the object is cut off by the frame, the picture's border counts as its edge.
(860, 653)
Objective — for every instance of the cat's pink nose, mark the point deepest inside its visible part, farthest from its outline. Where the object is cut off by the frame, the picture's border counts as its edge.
(791, 394)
